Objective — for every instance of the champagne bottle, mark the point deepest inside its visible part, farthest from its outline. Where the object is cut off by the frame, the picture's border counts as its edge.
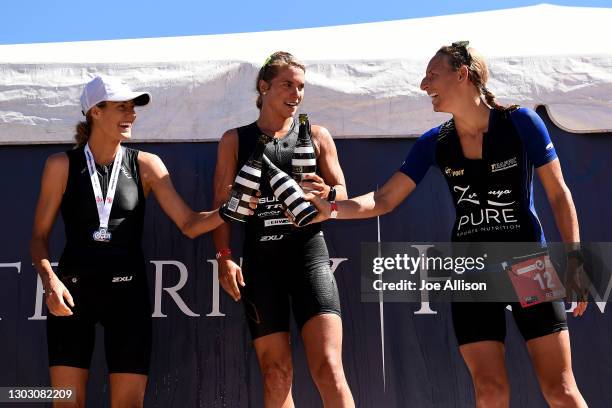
(304, 159)
(246, 184)
(289, 194)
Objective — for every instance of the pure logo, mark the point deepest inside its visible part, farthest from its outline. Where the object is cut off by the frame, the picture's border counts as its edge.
(117, 279)
(492, 215)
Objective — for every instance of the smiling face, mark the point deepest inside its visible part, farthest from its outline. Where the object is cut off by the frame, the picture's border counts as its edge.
(284, 92)
(115, 120)
(442, 84)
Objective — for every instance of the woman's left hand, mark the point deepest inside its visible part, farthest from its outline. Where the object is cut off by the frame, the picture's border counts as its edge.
(313, 183)
(576, 286)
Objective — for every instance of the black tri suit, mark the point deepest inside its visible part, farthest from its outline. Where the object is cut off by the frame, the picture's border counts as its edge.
(107, 280)
(285, 267)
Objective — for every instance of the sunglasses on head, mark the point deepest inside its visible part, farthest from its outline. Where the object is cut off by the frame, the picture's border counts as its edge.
(462, 47)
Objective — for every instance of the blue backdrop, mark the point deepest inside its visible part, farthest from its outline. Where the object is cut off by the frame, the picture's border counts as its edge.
(202, 354)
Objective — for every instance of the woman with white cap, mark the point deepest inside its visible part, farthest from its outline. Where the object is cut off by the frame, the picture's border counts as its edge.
(100, 188)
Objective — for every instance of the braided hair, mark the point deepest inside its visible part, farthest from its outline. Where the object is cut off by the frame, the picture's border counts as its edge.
(458, 54)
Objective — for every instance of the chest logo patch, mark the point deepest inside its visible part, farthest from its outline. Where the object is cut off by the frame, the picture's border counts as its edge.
(504, 165)
(453, 172)
(125, 172)
(276, 221)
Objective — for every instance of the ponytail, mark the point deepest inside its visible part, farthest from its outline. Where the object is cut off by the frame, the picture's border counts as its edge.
(83, 128)
(490, 98)
(83, 131)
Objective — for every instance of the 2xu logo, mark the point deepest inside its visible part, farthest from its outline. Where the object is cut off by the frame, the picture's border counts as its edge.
(271, 238)
(117, 279)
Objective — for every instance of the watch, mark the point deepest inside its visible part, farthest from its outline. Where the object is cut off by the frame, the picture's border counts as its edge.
(331, 196)
(334, 209)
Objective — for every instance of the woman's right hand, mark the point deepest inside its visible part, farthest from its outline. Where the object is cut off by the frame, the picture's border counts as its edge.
(230, 275)
(55, 293)
(323, 206)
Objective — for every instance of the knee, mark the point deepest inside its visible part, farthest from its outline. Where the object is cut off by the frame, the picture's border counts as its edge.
(77, 404)
(134, 399)
(561, 396)
(328, 372)
(127, 403)
(277, 376)
(491, 392)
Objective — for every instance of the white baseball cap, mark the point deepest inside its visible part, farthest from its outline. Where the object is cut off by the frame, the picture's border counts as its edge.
(107, 88)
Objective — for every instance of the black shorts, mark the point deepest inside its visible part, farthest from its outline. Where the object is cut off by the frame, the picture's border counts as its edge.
(487, 321)
(118, 299)
(292, 274)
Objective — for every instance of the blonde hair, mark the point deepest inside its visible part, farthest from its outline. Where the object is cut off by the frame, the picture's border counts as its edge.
(271, 67)
(459, 54)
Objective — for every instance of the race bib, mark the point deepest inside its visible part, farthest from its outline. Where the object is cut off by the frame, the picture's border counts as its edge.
(535, 281)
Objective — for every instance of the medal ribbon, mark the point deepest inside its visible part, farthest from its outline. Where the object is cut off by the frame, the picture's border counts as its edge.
(103, 205)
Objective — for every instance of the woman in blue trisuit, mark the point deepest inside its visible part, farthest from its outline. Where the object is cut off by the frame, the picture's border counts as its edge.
(486, 147)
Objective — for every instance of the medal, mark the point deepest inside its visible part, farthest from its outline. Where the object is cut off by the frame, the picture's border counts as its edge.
(103, 205)
(102, 235)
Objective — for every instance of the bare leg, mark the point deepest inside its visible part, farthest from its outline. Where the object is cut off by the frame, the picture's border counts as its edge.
(127, 390)
(70, 377)
(486, 362)
(322, 336)
(551, 356)
(274, 356)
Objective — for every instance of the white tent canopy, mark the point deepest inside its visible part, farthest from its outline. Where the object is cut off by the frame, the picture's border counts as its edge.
(362, 80)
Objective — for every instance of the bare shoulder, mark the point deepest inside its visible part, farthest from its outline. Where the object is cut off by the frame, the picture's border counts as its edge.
(230, 135)
(322, 138)
(55, 173)
(229, 139)
(228, 145)
(150, 164)
(57, 162)
(147, 158)
(320, 132)
(56, 166)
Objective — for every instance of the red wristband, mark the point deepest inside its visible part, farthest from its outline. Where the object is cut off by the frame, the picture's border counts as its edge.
(223, 252)
(334, 209)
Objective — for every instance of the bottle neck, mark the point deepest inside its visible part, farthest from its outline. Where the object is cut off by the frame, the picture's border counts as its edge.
(304, 132)
(260, 147)
(271, 167)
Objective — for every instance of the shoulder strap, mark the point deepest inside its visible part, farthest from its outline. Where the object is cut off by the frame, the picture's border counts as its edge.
(246, 142)
(446, 129)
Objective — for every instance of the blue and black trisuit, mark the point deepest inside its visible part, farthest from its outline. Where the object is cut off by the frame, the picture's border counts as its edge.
(493, 199)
